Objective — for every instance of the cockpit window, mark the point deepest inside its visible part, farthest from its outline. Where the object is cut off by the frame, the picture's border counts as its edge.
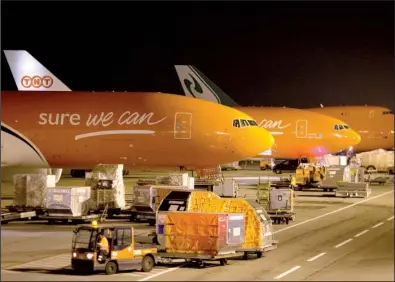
(236, 123)
(388, 113)
(252, 122)
(341, 126)
(244, 123)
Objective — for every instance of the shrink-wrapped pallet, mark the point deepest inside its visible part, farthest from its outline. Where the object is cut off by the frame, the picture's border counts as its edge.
(30, 189)
(107, 186)
(178, 179)
(200, 233)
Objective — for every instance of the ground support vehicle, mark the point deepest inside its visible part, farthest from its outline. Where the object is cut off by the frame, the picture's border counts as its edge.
(124, 252)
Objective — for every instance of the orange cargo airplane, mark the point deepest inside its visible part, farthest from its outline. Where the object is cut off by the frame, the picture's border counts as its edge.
(56, 129)
(374, 124)
(297, 133)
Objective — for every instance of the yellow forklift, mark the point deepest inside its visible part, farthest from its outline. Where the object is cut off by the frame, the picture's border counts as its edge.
(124, 253)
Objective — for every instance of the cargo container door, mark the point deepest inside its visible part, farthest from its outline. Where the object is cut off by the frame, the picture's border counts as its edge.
(183, 126)
(301, 129)
(235, 229)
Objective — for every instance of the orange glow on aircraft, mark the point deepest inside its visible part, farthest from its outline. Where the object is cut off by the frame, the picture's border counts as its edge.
(374, 124)
(297, 133)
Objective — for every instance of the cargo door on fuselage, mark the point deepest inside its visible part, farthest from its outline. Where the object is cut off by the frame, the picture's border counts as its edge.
(301, 129)
(183, 125)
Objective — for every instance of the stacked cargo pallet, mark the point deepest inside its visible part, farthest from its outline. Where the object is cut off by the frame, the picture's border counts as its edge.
(31, 189)
(107, 186)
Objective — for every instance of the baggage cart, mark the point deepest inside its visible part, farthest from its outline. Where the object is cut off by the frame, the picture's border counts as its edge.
(12, 216)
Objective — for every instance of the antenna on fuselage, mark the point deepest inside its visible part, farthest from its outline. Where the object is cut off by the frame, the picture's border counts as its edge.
(321, 105)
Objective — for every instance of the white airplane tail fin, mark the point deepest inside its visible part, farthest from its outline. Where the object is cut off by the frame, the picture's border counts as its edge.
(196, 85)
(30, 75)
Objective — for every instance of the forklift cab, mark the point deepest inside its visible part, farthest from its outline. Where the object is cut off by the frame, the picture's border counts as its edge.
(123, 253)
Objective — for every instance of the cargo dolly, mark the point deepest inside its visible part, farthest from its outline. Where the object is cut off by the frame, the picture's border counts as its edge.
(199, 259)
(74, 219)
(12, 216)
(281, 216)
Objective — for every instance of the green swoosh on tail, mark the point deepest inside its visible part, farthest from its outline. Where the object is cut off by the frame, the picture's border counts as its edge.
(197, 87)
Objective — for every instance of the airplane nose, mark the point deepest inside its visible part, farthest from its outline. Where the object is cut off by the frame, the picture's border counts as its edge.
(351, 137)
(259, 140)
(355, 137)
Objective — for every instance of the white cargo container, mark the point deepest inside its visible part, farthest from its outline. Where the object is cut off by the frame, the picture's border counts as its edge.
(281, 199)
(68, 201)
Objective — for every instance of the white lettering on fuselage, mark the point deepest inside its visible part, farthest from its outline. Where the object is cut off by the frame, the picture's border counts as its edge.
(270, 124)
(103, 119)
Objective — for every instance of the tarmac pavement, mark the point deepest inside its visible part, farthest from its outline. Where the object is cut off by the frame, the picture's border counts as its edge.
(331, 239)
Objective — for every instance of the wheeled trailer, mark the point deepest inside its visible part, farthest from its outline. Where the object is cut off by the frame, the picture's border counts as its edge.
(12, 216)
(279, 217)
(73, 219)
(198, 259)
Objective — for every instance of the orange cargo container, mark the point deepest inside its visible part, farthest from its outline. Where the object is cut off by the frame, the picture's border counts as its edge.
(258, 226)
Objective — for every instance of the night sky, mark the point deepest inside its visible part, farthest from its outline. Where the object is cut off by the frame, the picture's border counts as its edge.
(291, 54)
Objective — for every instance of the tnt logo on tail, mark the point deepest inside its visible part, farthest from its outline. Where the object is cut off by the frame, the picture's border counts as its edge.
(36, 81)
(30, 75)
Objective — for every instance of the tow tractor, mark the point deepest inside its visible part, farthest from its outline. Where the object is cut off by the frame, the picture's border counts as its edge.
(124, 252)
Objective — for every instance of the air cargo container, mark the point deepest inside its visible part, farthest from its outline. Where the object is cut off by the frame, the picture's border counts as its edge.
(201, 201)
(147, 199)
(200, 235)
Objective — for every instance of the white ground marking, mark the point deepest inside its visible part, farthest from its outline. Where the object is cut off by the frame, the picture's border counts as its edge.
(377, 225)
(390, 218)
(316, 257)
(49, 263)
(160, 273)
(332, 212)
(287, 272)
(343, 243)
(361, 233)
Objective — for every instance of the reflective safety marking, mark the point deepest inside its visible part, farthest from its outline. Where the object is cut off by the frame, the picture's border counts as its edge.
(343, 243)
(377, 225)
(316, 257)
(49, 263)
(287, 272)
(361, 233)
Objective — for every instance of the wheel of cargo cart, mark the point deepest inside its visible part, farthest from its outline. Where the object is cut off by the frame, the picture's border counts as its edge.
(223, 262)
(51, 221)
(259, 254)
(287, 220)
(245, 256)
(147, 263)
(111, 268)
(371, 167)
(200, 263)
(65, 221)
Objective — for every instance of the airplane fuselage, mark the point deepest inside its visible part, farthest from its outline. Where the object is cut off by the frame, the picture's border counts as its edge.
(81, 129)
(301, 133)
(374, 124)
